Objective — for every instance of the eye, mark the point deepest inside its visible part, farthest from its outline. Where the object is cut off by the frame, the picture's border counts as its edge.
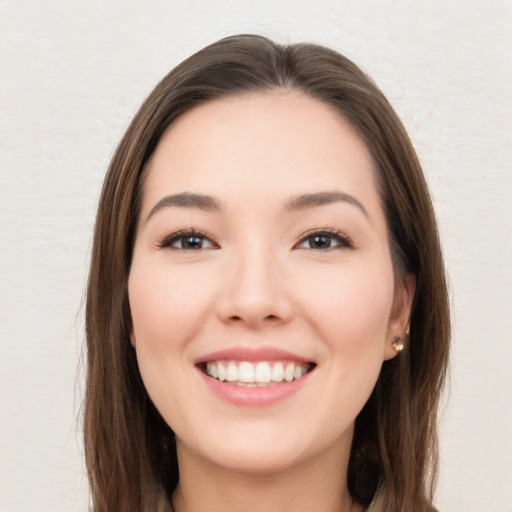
(324, 239)
(188, 240)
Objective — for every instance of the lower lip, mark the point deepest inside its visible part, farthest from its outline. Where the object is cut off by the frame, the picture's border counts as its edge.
(249, 396)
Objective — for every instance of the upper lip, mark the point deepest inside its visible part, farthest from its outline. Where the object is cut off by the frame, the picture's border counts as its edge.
(252, 354)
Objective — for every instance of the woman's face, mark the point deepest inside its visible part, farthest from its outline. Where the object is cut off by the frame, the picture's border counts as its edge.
(262, 291)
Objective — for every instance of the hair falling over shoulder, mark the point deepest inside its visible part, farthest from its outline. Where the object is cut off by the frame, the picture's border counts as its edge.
(130, 450)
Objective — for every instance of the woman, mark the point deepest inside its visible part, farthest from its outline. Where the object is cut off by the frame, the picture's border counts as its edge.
(267, 316)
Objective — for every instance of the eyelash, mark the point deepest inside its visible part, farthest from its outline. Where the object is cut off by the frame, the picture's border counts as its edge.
(343, 241)
(183, 234)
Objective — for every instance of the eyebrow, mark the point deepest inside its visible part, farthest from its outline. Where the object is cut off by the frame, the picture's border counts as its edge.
(306, 201)
(301, 202)
(186, 200)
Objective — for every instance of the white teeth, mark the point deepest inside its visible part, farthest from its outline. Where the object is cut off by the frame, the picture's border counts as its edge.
(244, 373)
(288, 372)
(277, 372)
(221, 371)
(263, 373)
(232, 372)
(246, 384)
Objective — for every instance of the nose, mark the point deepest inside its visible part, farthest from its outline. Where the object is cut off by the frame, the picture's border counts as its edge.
(255, 293)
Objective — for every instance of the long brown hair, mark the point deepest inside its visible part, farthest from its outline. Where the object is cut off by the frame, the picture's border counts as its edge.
(130, 450)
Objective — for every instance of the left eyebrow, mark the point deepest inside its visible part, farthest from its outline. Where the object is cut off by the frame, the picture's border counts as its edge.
(306, 201)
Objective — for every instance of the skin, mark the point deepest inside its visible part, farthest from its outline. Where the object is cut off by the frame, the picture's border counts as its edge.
(257, 280)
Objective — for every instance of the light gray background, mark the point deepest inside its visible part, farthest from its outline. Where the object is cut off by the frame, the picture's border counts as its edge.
(72, 75)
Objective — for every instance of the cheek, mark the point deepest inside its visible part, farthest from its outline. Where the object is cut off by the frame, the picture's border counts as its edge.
(350, 314)
(350, 307)
(166, 307)
(166, 310)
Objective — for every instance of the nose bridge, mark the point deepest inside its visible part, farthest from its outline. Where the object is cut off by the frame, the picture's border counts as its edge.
(255, 291)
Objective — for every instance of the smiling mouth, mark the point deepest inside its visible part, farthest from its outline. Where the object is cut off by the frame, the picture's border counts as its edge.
(256, 374)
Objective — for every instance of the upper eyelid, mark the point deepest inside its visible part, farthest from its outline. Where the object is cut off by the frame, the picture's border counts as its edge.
(327, 231)
(335, 233)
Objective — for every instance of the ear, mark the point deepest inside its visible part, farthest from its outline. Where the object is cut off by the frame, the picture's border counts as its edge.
(132, 336)
(400, 315)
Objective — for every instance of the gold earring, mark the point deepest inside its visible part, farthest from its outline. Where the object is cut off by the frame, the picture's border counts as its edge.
(398, 344)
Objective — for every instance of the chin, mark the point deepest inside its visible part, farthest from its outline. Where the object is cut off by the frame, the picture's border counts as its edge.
(263, 449)
(255, 460)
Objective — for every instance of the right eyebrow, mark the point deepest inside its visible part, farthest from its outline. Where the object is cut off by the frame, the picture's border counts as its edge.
(186, 200)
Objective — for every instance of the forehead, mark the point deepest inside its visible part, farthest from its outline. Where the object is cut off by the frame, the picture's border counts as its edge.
(280, 142)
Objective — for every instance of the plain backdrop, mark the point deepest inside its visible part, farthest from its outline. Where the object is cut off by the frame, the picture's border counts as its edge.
(72, 74)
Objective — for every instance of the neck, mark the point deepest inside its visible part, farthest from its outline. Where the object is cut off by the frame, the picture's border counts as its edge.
(319, 484)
